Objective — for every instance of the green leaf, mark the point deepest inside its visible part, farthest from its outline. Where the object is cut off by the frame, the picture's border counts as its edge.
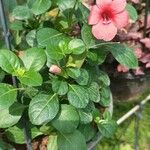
(52, 143)
(77, 46)
(39, 6)
(88, 131)
(83, 13)
(67, 120)
(105, 96)
(78, 96)
(34, 58)
(11, 111)
(97, 56)
(83, 78)
(49, 36)
(132, 12)
(73, 72)
(43, 108)
(22, 13)
(124, 55)
(85, 116)
(16, 134)
(104, 78)
(10, 5)
(65, 4)
(2, 75)
(87, 36)
(9, 62)
(107, 128)
(31, 78)
(93, 91)
(31, 38)
(5, 146)
(54, 52)
(74, 141)
(60, 87)
(17, 25)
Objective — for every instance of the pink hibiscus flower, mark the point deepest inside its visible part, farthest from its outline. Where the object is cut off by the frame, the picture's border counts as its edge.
(106, 17)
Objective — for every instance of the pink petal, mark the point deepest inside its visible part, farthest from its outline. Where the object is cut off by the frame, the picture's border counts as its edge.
(135, 1)
(118, 5)
(121, 19)
(134, 35)
(148, 65)
(94, 16)
(105, 32)
(138, 52)
(146, 41)
(103, 3)
(121, 68)
(145, 58)
(139, 71)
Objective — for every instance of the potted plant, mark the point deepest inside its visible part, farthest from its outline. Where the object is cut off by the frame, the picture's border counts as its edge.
(62, 94)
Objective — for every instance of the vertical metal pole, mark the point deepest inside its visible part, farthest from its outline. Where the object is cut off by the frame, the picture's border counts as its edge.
(138, 116)
(6, 35)
(145, 17)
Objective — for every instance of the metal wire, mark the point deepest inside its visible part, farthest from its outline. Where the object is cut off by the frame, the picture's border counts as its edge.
(6, 35)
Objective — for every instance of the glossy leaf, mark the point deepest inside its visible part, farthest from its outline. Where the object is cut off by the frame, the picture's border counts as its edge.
(67, 120)
(78, 96)
(31, 38)
(124, 55)
(59, 87)
(77, 46)
(39, 6)
(11, 111)
(49, 36)
(16, 134)
(52, 143)
(31, 78)
(43, 108)
(132, 12)
(85, 116)
(74, 141)
(34, 58)
(104, 78)
(83, 78)
(22, 13)
(65, 4)
(73, 72)
(107, 128)
(87, 36)
(93, 91)
(9, 61)
(88, 131)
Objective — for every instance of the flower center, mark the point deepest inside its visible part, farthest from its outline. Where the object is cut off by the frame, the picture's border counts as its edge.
(107, 17)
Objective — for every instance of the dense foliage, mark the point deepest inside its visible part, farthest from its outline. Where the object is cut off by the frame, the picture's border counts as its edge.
(62, 91)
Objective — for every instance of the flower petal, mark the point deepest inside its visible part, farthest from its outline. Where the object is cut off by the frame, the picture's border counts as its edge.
(94, 16)
(121, 19)
(118, 5)
(103, 3)
(105, 32)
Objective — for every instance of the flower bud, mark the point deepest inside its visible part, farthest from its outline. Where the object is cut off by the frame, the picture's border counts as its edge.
(55, 69)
